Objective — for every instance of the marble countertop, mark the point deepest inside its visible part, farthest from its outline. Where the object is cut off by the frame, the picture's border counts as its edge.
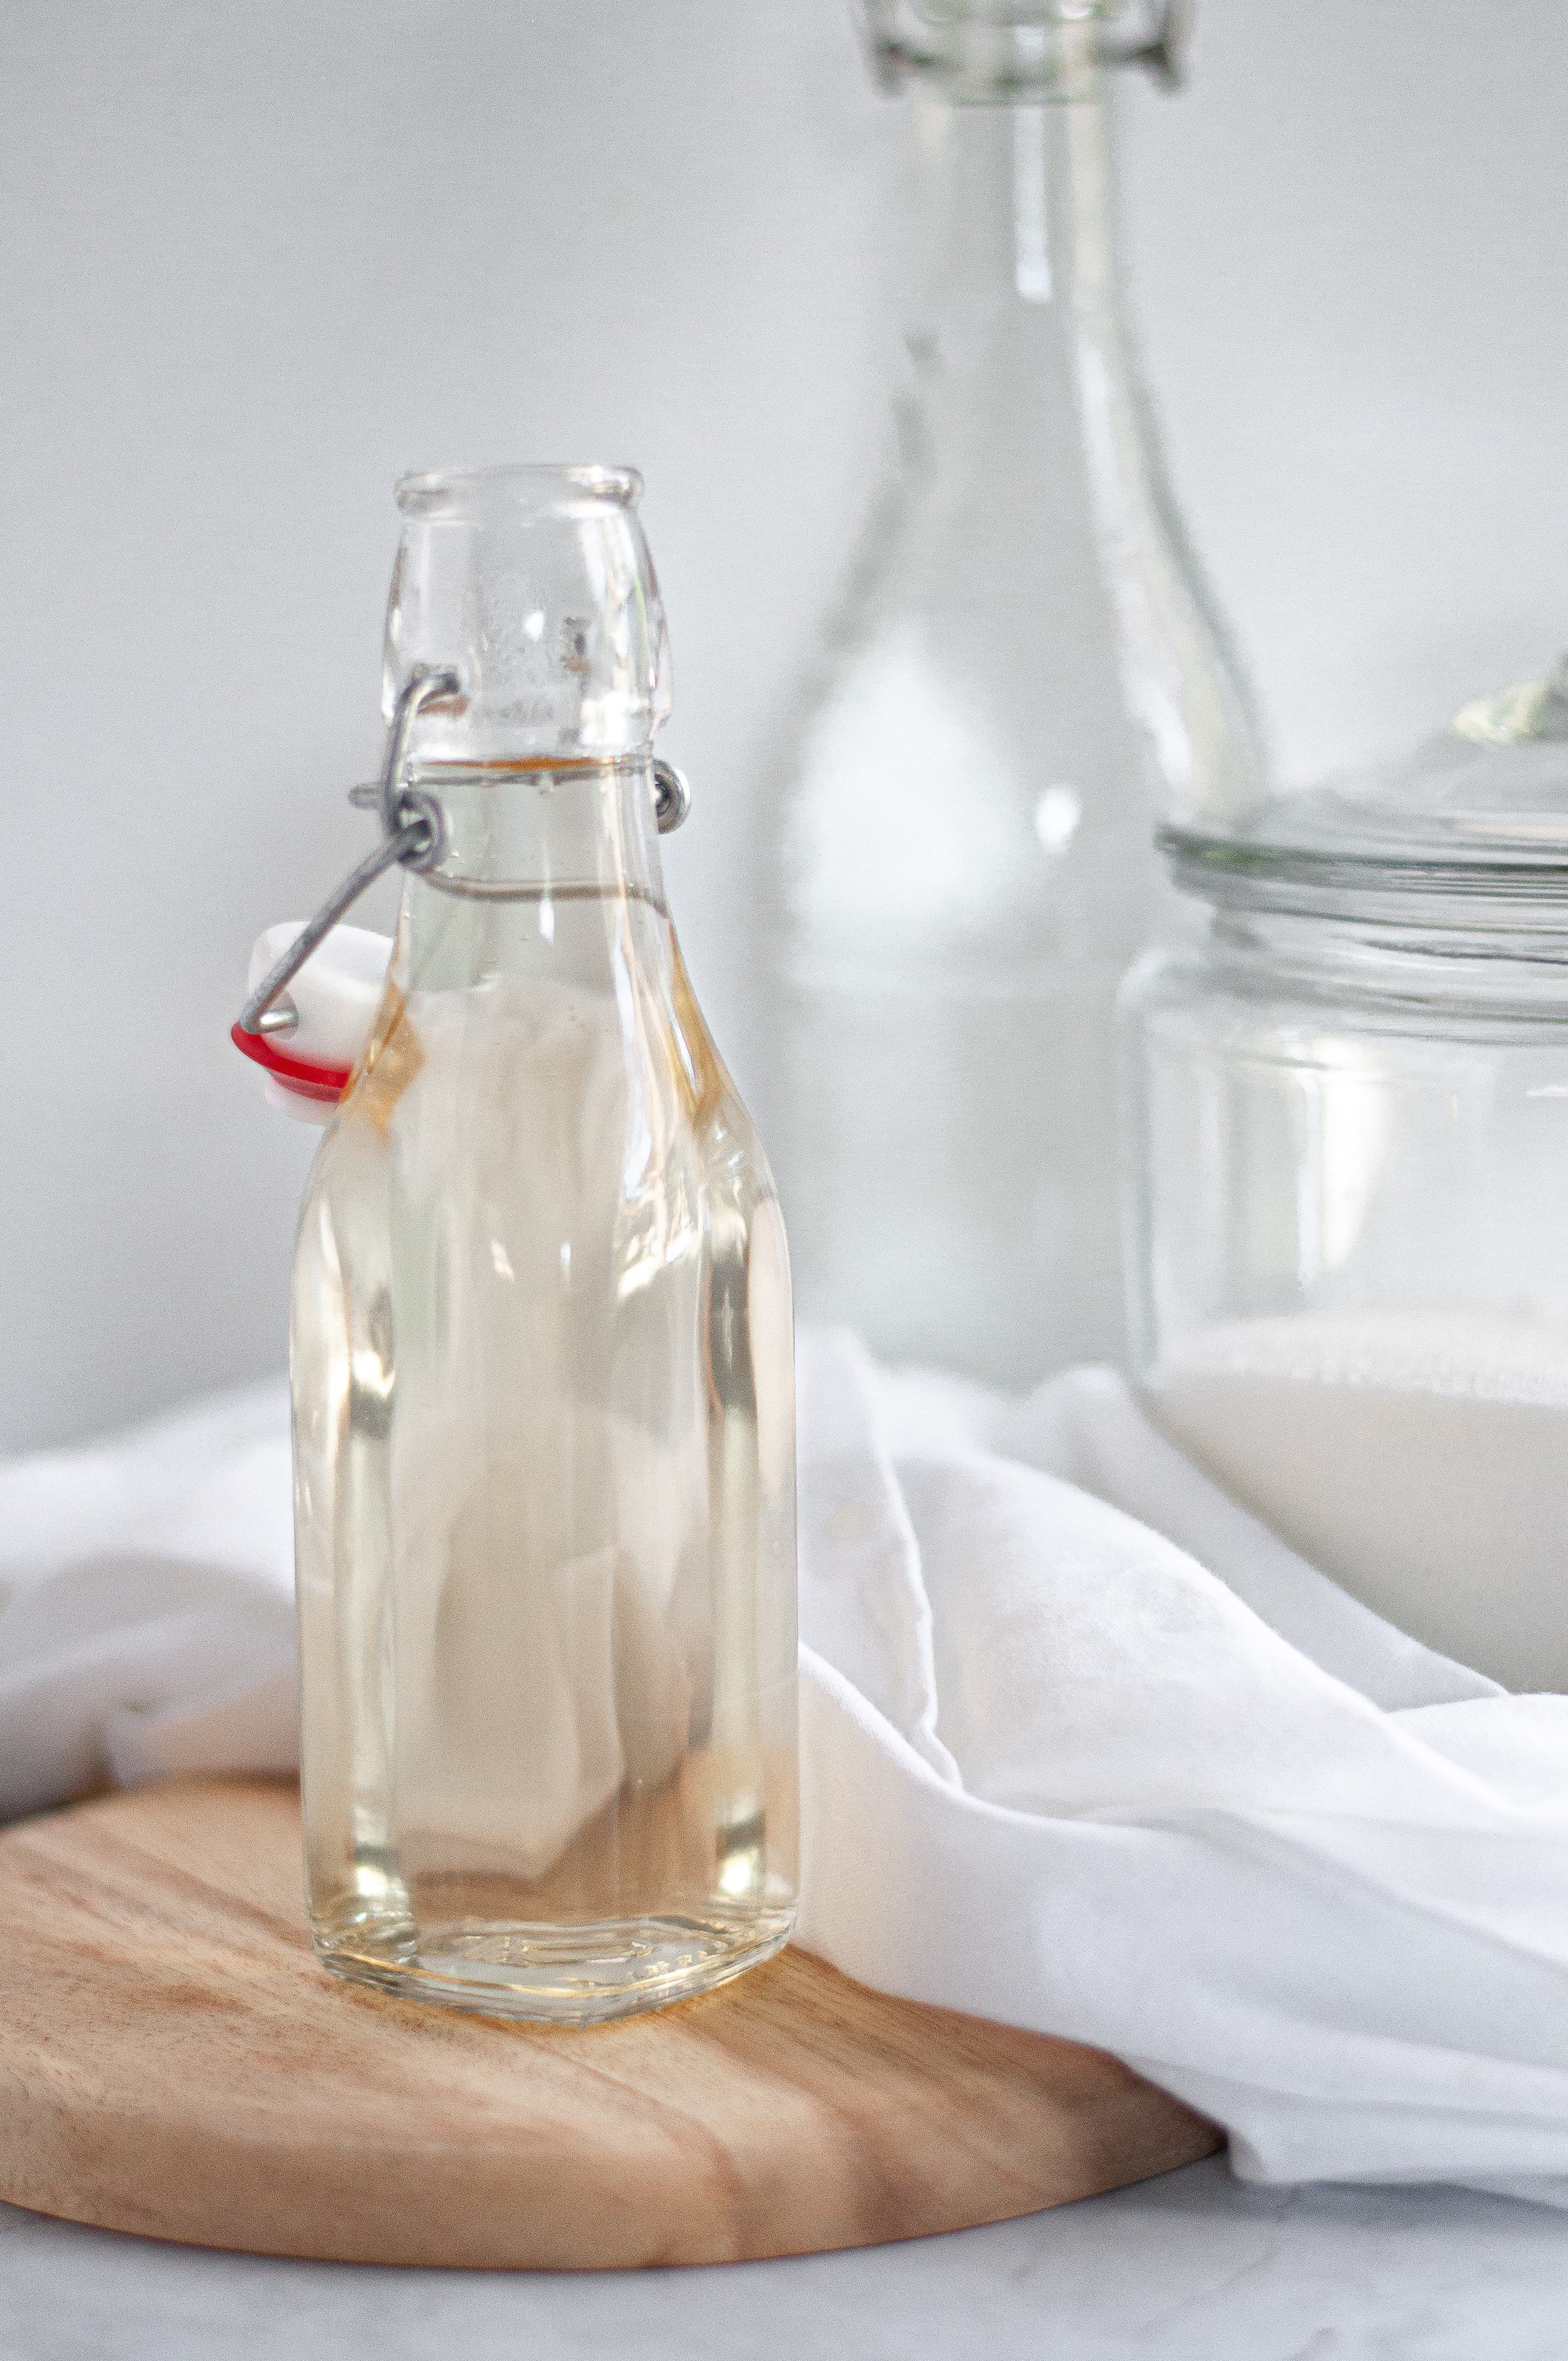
(1194, 2266)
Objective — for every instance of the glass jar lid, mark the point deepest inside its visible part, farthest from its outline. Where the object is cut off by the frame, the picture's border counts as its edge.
(1480, 808)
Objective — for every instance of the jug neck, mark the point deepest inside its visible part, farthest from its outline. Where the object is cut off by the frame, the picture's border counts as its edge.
(1018, 260)
(1026, 422)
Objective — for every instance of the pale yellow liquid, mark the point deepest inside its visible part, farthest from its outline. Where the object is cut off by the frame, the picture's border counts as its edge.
(544, 1468)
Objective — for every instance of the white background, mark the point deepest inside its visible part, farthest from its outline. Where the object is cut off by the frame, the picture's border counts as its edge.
(256, 260)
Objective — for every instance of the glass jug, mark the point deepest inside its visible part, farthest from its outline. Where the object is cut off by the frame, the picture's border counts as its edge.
(1348, 1136)
(1026, 675)
(541, 1346)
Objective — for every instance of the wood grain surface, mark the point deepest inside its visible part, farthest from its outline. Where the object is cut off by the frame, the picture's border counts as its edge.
(174, 2062)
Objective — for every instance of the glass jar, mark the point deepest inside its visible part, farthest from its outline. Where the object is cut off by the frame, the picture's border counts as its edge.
(1026, 673)
(540, 1348)
(1347, 1120)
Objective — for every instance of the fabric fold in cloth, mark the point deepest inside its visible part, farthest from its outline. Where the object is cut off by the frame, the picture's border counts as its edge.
(1317, 1884)
(147, 1617)
(1085, 1748)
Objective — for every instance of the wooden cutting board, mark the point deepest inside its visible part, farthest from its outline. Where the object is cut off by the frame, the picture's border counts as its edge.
(174, 2062)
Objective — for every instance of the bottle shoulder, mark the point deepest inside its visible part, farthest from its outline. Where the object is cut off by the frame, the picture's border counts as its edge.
(561, 1101)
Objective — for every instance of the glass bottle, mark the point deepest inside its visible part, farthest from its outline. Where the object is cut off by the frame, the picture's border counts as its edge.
(541, 1355)
(1025, 676)
(1349, 1100)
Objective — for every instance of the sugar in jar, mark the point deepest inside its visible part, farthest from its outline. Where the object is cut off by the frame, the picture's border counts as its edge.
(1347, 1177)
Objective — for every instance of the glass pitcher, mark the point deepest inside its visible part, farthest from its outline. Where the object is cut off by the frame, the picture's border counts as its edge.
(541, 1346)
(1026, 675)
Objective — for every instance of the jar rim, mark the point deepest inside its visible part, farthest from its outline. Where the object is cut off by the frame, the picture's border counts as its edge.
(529, 489)
(1337, 882)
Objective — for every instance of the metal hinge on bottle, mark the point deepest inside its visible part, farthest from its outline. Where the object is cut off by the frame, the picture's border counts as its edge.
(413, 836)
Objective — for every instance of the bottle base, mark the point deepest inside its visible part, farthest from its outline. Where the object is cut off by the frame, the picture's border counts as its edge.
(552, 1974)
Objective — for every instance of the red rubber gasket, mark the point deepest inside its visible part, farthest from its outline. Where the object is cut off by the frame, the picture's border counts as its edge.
(323, 1083)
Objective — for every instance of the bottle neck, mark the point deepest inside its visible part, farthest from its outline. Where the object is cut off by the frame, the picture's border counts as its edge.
(521, 842)
(1026, 431)
(1018, 262)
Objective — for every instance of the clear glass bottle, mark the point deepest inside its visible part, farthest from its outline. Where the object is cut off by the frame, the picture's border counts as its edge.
(542, 1346)
(1025, 676)
(1348, 1140)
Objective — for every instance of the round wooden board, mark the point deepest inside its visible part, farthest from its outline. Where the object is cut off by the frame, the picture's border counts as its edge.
(174, 2062)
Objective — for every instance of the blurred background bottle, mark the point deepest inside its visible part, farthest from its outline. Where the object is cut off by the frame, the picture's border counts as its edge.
(1025, 674)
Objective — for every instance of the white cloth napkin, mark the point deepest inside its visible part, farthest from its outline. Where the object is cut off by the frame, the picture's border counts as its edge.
(1084, 1749)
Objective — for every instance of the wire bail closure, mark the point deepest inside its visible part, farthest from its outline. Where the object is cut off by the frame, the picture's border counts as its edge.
(413, 836)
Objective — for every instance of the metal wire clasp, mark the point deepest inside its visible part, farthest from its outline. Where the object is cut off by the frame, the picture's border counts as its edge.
(413, 834)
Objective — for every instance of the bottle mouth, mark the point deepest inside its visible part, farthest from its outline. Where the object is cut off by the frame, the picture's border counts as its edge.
(1022, 52)
(523, 489)
(534, 585)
